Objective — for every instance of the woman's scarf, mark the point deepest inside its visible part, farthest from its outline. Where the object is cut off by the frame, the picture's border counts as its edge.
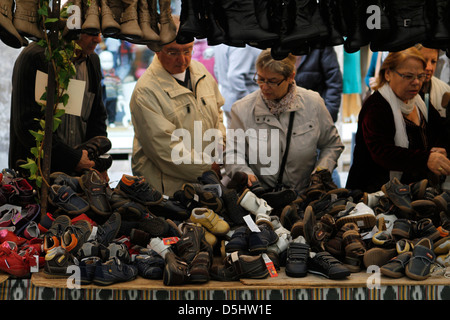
(398, 108)
(280, 106)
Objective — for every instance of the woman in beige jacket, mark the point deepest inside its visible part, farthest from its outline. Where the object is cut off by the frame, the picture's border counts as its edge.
(256, 138)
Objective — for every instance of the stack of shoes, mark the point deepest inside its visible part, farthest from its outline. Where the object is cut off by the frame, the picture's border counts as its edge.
(416, 264)
(190, 260)
(18, 255)
(69, 242)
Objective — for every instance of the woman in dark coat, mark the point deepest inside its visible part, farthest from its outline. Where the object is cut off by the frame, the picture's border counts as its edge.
(397, 135)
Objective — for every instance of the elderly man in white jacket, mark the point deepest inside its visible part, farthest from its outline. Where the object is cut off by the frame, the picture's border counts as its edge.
(175, 105)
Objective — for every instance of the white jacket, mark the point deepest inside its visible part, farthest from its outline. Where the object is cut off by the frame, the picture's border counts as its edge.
(159, 106)
(315, 141)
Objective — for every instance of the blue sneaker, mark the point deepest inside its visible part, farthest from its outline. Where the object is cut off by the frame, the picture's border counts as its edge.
(113, 271)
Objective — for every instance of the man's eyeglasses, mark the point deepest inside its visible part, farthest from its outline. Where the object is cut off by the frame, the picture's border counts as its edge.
(186, 53)
(261, 81)
(411, 77)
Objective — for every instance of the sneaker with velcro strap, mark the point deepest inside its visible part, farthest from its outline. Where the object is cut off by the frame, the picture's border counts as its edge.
(395, 268)
(324, 264)
(297, 259)
(423, 257)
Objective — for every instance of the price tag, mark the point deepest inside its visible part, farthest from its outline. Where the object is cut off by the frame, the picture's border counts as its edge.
(269, 264)
(251, 224)
(170, 240)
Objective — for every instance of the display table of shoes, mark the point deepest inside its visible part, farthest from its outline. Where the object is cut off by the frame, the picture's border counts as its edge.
(281, 282)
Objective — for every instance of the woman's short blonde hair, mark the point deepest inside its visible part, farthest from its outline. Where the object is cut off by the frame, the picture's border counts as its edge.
(284, 67)
(394, 59)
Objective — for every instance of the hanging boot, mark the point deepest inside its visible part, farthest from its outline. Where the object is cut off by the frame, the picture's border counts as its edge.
(145, 22)
(168, 29)
(91, 12)
(8, 33)
(378, 35)
(330, 15)
(110, 26)
(355, 18)
(26, 19)
(243, 25)
(307, 24)
(440, 35)
(214, 21)
(192, 21)
(116, 8)
(409, 25)
(129, 26)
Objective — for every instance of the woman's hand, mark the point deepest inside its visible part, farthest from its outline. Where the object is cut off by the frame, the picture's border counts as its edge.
(438, 163)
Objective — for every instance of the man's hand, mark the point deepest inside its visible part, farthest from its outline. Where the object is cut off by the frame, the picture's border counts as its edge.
(85, 162)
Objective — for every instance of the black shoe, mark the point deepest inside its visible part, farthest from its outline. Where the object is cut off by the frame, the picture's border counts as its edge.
(399, 194)
(279, 199)
(324, 264)
(297, 258)
(150, 266)
(258, 242)
(114, 271)
(94, 187)
(238, 240)
(196, 192)
(139, 190)
(96, 146)
(109, 230)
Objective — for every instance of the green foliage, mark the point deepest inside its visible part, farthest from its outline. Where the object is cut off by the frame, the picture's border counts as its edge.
(59, 53)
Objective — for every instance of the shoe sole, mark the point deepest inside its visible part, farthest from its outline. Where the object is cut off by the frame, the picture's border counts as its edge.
(309, 220)
(442, 246)
(378, 256)
(363, 221)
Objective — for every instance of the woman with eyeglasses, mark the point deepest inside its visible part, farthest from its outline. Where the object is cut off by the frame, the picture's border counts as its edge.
(264, 116)
(397, 135)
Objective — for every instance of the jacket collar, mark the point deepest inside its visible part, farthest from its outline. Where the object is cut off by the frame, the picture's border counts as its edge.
(168, 82)
(261, 110)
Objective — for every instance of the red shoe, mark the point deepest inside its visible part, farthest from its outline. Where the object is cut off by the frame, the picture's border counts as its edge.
(6, 235)
(83, 216)
(14, 263)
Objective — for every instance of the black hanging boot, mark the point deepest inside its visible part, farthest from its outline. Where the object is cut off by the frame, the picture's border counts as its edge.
(191, 22)
(355, 17)
(243, 25)
(214, 21)
(330, 14)
(383, 31)
(410, 25)
(307, 24)
(439, 15)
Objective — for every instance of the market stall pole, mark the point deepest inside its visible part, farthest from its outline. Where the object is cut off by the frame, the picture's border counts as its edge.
(48, 131)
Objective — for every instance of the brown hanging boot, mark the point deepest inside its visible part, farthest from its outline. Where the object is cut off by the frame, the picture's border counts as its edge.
(129, 26)
(91, 12)
(168, 29)
(26, 19)
(145, 22)
(154, 24)
(110, 25)
(8, 33)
